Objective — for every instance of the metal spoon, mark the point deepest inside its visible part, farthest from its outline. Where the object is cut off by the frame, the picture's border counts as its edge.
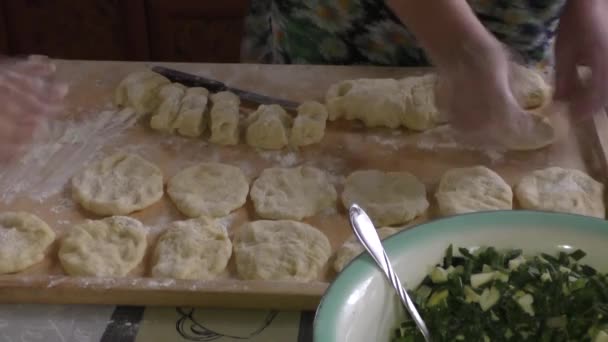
(366, 233)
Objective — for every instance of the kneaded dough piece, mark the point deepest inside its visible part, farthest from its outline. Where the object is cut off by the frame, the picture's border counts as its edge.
(139, 90)
(376, 102)
(23, 239)
(309, 125)
(280, 250)
(352, 248)
(224, 118)
(421, 112)
(111, 247)
(561, 190)
(472, 189)
(170, 97)
(210, 189)
(268, 127)
(389, 198)
(529, 87)
(193, 249)
(191, 120)
(118, 185)
(533, 132)
(292, 193)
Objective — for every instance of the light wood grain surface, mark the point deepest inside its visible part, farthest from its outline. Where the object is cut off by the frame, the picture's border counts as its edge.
(347, 147)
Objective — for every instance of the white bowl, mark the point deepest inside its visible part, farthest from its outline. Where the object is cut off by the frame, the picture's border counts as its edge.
(360, 306)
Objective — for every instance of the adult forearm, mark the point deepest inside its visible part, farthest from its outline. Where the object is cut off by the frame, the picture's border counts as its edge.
(447, 30)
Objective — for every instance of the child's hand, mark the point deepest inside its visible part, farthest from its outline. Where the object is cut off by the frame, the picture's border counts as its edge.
(28, 94)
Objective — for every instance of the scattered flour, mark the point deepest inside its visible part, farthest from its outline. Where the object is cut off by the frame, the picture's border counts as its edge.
(59, 148)
(284, 159)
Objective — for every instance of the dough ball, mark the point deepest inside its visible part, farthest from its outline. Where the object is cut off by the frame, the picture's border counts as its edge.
(111, 247)
(225, 119)
(191, 120)
(529, 87)
(376, 102)
(170, 96)
(352, 248)
(118, 185)
(421, 112)
(472, 189)
(139, 90)
(23, 239)
(268, 127)
(309, 125)
(280, 250)
(210, 189)
(389, 198)
(561, 190)
(193, 249)
(292, 193)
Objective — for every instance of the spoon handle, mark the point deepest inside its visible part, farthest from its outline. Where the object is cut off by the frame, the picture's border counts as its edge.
(366, 233)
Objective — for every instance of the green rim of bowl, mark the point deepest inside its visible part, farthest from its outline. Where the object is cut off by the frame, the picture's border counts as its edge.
(325, 323)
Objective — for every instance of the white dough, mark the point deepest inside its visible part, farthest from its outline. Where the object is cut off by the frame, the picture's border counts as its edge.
(352, 248)
(292, 193)
(421, 112)
(139, 90)
(224, 118)
(561, 190)
(210, 189)
(389, 198)
(111, 247)
(170, 96)
(472, 189)
(118, 185)
(376, 102)
(268, 127)
(280, 250)
(529, 87)
(193, 249)
(191, 120)
(309, 125)
(23, 240)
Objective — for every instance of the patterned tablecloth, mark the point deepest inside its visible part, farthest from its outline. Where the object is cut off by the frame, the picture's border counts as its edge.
(74, 323)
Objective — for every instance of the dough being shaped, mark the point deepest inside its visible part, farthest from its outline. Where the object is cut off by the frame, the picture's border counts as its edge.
(531, 132)
(529, 87)
(111, 247)
(472, 189)
(139, 90)
(309, 125)
(170, 97)
(389, 198)
(225, 118)
(268, 127)
(118, 185)
(376, 102)
(421, 112)
(210, 189)
(561, 190)
(23, 240)
(191, 120)
(352, 248)
(280, 250)
(193, 249)
(292, 193)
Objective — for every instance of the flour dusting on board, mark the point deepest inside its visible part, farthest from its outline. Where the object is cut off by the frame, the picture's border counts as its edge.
(59, 148)
(444, 137)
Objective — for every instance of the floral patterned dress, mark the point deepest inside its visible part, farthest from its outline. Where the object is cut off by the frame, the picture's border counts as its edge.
(368, 32)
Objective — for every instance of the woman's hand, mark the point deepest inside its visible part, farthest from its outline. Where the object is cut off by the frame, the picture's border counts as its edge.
(582, 40)
(28, 93)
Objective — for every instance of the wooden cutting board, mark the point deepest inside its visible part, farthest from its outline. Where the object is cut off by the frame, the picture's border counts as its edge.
(347, 147)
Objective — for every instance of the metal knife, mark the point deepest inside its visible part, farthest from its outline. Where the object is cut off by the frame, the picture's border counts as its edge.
(217, 86)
